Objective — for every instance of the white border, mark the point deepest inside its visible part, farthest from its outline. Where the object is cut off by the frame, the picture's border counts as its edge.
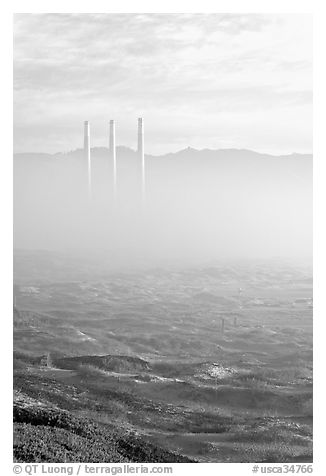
(277, 6)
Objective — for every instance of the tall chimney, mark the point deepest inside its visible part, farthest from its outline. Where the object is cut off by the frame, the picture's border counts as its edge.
(141, 153)
(113, 156)
(87, 153)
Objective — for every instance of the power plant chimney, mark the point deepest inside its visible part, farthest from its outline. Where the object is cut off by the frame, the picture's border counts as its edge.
(141, 153)
(87, 153)
(113, 156)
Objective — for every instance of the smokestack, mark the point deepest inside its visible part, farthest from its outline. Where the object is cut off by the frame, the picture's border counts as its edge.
(113, 156)
(141, 153)
(87, 153)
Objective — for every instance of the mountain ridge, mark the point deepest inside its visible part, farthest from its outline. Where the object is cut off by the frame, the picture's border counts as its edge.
(180, 153)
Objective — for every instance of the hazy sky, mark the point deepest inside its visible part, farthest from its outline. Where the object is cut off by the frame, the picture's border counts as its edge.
(203, 80)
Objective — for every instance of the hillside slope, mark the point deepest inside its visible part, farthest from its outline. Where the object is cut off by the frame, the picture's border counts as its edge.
(45, 433)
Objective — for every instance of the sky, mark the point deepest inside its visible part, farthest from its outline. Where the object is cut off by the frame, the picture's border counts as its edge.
(199, 80)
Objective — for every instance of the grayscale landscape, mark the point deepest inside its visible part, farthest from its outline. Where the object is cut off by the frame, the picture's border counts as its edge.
(145, 352)
(162, 292)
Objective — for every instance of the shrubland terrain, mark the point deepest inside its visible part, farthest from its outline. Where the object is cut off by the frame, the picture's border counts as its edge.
(208, 364)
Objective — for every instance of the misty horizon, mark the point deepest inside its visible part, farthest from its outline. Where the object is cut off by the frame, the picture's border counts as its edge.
(200, 205)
